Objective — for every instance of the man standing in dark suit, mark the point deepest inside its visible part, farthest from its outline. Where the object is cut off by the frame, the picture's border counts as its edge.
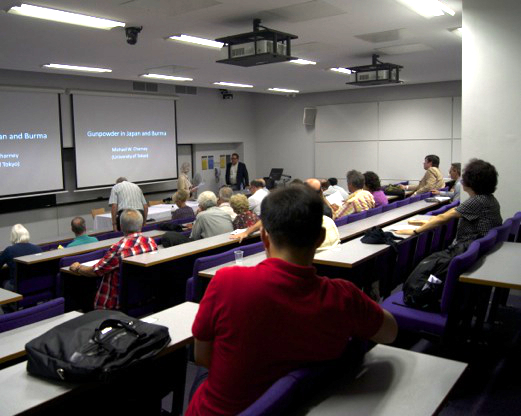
(236, 174)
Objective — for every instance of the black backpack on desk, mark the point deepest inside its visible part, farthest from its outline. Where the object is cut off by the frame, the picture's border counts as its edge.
(94, 346)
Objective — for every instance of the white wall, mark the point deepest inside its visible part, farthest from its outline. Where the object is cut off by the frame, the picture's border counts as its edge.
(491, 122)
(280, 131)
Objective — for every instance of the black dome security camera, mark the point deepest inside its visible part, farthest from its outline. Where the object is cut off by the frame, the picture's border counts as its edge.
(132, 33)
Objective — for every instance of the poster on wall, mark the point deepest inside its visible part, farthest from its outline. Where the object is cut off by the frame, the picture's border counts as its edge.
(210, 162)
(223, 161)
(204, 162)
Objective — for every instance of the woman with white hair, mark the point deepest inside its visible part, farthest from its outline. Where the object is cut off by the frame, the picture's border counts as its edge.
(20, 247)
(183, 183)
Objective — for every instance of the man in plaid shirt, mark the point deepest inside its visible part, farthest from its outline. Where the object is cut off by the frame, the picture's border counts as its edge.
(108, 267)
(359, 199)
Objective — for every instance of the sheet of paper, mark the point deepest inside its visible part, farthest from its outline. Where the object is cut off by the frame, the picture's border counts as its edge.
(335, 198)
(238, 231)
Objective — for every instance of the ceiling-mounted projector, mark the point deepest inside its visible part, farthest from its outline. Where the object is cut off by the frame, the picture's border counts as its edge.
(260, 47)
(378, 73)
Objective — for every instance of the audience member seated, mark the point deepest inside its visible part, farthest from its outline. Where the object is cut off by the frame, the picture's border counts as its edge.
(79, 229)
(225, 193)
(210, 220)
(432, 179)
(477, 215)
(334, 187)
(20, 247)
(183, 210)
(244, 218)
(359, 199)
(455, 192)
(131, 244)
(372, 184)
(316, 185)
(258, 193)
(299, 317)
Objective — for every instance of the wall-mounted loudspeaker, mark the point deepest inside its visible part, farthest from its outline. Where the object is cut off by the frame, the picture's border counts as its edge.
(310, 113)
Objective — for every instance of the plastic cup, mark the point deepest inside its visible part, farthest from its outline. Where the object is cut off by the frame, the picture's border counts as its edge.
(238, 256)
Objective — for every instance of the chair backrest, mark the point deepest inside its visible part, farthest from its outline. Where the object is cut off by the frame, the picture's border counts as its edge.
(356, 216)
(503, 231)
(374, 211)
(457, 266)
(82, 258)
(515, 235)
(390, 206)
(444, 208)
(415, 198)
(403, 202)
(150, 227)
(31, 315)
(108, 235)
(487, 242)
(425, 195)
(97, 211)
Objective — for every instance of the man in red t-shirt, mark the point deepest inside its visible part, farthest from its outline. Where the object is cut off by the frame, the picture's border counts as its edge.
(256, 324)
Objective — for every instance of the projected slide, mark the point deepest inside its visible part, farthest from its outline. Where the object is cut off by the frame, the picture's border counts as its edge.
(30, 143)
(128, 136)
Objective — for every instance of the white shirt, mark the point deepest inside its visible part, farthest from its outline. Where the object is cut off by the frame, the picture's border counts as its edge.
(256, 199)
(233, 173)
(225, 206)
(332, 236)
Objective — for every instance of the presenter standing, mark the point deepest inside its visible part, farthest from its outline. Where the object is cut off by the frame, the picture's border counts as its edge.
(126, 195)
(236, 174)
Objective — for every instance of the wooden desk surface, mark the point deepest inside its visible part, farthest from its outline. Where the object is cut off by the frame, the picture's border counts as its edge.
(71, 251)
(12, 343)
(393, 382)
(500, 268)
(359, 227)
(345, 255)
(6, 296)
(21, 392)
(179, 251)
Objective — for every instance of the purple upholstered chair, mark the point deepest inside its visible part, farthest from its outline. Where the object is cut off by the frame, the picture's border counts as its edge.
(503, 231)
(194, 287)
(389, 207)
(422, 247)
(450, 232)
(432, 322)
(415, 198)
(356, 216)
(80, 258)
(341, 221)
(31, 315)
(374, 211)
(444, 208)
(403, 202)
(515, 235)
(425, 195)
(487, 242)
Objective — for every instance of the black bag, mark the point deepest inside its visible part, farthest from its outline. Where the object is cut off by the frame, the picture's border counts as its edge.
(94, 346)
(168, 226)
(394, 190)
(376, 235)
(424, 286)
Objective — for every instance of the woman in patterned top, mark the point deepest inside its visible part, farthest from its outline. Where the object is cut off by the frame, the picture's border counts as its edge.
(245, 218)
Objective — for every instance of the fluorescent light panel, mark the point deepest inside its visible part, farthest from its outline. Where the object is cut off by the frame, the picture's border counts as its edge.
(64, 17)
(342, 70)
(302, 62)
(233, 84)
(76, 68)
(197, 41)
(284, 90)
(166, 77)
(428, 8)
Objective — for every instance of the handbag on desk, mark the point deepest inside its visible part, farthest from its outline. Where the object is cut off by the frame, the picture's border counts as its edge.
(94, 346)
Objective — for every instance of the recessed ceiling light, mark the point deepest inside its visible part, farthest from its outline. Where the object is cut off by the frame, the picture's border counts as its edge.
(428, 8)
(233, 84)
(458, 31)
(64, 17)
(302, 62)
(342, 70)
(76, 68)
(166, 77)
(284, 90)
(197, 41)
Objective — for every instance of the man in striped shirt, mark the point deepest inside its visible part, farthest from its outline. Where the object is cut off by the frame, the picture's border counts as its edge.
(108, 267)
(359, 199)
(126, 195)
